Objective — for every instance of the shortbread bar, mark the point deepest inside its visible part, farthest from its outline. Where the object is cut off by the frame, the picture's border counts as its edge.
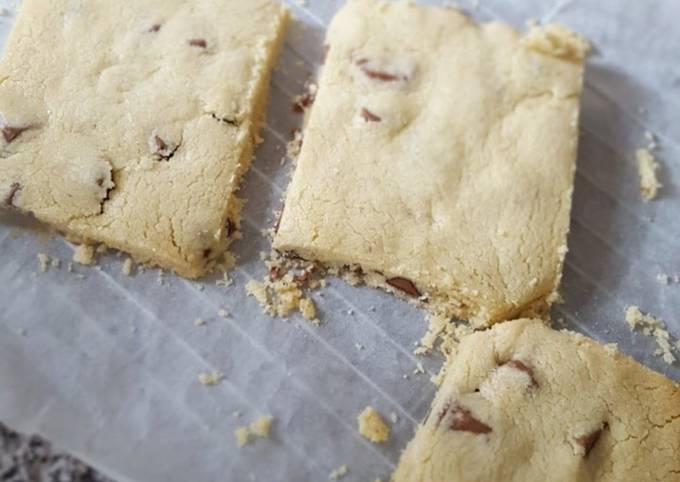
(438, 158)
(131, 123)
(522, 402)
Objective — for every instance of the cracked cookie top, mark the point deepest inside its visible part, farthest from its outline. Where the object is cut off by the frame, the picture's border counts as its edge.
(128, 122)
(524, 402)
(440, 154)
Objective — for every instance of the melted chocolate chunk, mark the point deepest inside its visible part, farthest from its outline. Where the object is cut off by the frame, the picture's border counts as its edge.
(14, 188)
(523, 367)
(11, 133)
(404, 285)
(461, 420)
(369, 116)
(198, 42)
(589, 440)
(378, 74)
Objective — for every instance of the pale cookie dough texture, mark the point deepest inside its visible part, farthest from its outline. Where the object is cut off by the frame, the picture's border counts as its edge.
(522, 402)
(439, 157)
(131, 123)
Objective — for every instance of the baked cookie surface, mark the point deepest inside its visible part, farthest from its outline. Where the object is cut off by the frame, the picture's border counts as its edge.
(438, 158)
(131, 123)
(523, 402)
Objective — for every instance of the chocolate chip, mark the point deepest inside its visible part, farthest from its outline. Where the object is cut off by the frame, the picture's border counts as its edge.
(14, 188)
(207, 252)
(10, 133)
(404, 285)
(163, 150)
(275, 273)
(378, 74)
(588, 441)
(231, 227)
(305, 101)
(100, 181)
(369, 116)
(278, 219)
(155, 27)
(461, 420)
(160, 144)
(523, 367)
(198, 42)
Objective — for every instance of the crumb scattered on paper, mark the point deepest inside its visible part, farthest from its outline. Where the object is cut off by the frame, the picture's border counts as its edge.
(260, 427)
(222, 313)
(43, 262)
(285, 288)
(372, 427)
(242, 435)
(199, 322)
(655, 327)
(210, 378)
(647, 170)
(443, 332)
(394, 418)
(126, 269)
(84, 254)
(338, 473)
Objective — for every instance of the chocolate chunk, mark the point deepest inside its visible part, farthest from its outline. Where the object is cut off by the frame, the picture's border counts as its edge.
(163, 149)
(588, 441)
(275, 273)
(207, 252)
(10, 133)
(461, 420)
(523, 367)
(14, 188)
(160, 144)
(155, 27)
(369, 116)
(404, 285)
(231, 227)
(378, 74)
(198, 42)
(278, 219)
(304, 101)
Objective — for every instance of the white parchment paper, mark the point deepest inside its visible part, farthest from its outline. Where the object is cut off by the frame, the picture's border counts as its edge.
(106, 366)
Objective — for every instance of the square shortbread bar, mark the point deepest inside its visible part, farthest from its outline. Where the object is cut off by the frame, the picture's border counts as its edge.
(131, 123)
(438, 158)
(523, 402)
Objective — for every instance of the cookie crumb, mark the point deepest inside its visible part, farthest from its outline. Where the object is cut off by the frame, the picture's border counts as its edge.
(307, 308)
(199, 322)
(260, 427)
(126, 269)
(394, 418)
(338, 473)
(242, 435)
(211, 378)
(372, 427)
(43, 262)
(647, 170)
(651, 326)
(84, 254)
(222, 313)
